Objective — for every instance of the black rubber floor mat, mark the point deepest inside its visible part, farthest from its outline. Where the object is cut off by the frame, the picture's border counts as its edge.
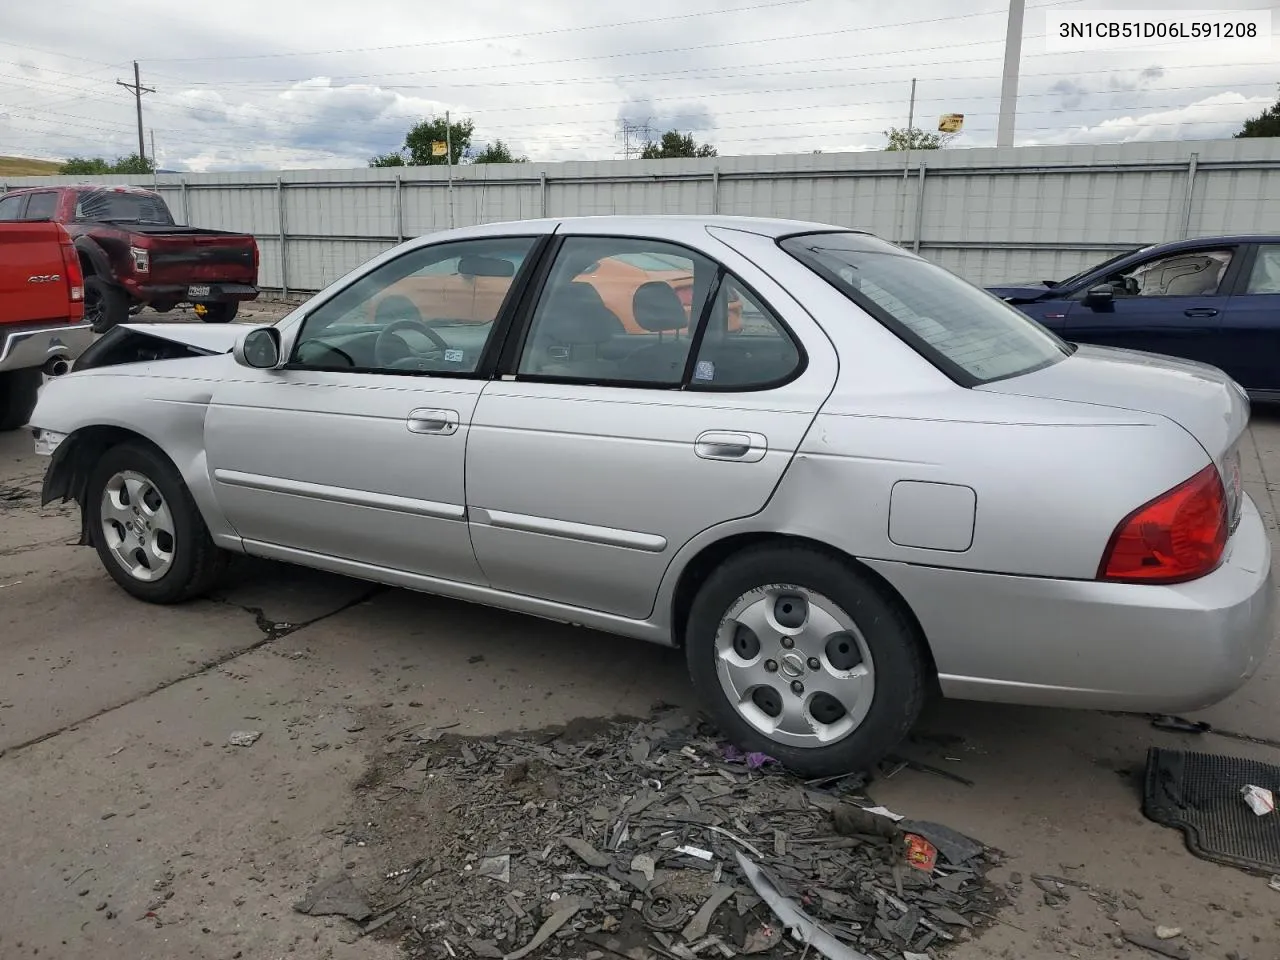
(1199, 793)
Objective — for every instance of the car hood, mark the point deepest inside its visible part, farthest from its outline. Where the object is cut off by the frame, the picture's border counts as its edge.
(1020, 291)
(209, 337)
(1202, 399)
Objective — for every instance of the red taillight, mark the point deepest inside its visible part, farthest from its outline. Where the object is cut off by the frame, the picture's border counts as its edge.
(71, 267)
(1179, 536)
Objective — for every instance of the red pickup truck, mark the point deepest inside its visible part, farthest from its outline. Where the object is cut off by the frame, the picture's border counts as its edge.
(42, 328)
(133, 255)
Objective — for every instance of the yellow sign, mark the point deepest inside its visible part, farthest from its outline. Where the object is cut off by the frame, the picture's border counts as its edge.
(950, 122)
(439, 148)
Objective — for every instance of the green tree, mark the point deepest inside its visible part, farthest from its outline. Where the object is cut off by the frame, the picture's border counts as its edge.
(497, 152)
(913, 138)
(133, 164)
(393, 159)
(1265, 124)
(96, 166)
(85, 166)
(417, 142)
(676, 144)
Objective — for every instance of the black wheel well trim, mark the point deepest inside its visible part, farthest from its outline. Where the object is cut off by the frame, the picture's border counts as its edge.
(710, 557)
(67, 475)
(94, 261)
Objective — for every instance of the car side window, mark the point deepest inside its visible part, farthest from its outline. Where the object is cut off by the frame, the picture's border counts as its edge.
(1265, 275)
(1188, 273)
(41, 206)
(616, 309)
(745, 346)
(431, 310)
(11, 207)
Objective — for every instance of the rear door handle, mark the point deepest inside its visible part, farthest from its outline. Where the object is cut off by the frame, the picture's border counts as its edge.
(730, 445)
(1200, 312)
(433, 421)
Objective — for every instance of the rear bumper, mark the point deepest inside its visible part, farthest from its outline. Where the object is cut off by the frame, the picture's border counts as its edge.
(181, 292)
(26, 347)
(1094, 645)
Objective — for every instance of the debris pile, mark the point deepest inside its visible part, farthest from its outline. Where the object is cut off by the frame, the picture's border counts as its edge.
(652, 840)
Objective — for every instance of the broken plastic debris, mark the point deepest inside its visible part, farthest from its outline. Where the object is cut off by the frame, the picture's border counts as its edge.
(643, 864)
(1274, 884)
(586, 852)
(803, 928)
(698, 852)
(335, 895)
(697, 927)
(884, 812)
(1260, 800)
(564, 913)
(496, 868)
(244, 738)
(1168, 933)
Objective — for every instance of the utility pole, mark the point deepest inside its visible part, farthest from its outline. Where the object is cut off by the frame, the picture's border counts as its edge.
(906, 165)
(137, 89)
(448, 157)
(155, 162)
(1009, 85)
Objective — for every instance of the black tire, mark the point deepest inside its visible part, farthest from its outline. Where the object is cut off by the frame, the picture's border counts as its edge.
(197, 563)
(105, 305)
(222, 312)
(900, 671)
(18, 392)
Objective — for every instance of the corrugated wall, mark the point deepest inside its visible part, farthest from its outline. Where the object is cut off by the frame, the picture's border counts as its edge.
(989, 214)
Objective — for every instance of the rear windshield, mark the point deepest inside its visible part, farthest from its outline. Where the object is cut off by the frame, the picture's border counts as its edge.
(969, 334)
(118, 206)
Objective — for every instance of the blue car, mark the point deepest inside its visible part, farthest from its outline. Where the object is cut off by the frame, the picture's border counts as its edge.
(1215, 300)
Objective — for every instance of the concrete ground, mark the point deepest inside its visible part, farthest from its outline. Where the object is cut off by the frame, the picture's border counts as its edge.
(134, 830)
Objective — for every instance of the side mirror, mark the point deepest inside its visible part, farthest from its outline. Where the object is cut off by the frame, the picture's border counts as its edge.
(1100, 296)
(258, 348)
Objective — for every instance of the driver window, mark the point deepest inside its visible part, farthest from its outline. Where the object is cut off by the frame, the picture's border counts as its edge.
(430, 311)
(1191, 273)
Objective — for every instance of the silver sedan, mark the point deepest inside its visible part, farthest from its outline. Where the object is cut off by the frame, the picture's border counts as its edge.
(839, 477)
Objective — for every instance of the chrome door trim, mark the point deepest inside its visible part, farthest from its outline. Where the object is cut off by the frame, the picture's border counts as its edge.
(433, 422)
(732, 445)
(568, 530)
(357, 498)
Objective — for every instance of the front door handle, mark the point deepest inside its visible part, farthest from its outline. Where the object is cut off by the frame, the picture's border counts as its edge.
(731, 445)
(1200, 312)
(433, 421)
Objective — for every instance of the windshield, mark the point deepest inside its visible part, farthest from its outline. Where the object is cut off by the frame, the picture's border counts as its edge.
(118, 205)
(1098, 266)
(972, 336)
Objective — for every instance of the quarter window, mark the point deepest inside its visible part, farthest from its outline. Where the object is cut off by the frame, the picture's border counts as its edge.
(1265, 276)
(11, 206)
(432, 310)
(618, 310)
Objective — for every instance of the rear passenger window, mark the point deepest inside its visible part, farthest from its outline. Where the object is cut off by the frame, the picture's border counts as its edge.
(10, 207)
(618, 310)
(745, 346)
(41, 206)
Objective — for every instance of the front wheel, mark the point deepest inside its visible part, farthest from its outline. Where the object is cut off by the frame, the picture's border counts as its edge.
(18, 392)
(147, 529)
(803, 657)
(222, 312)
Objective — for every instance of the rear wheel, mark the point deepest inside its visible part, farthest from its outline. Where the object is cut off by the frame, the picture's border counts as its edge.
(803, 657)
(222, 312)
(147, 529)
(105, 305)
(18, 392)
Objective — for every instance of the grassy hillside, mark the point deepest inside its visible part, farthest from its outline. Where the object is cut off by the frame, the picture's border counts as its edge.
(22, 167)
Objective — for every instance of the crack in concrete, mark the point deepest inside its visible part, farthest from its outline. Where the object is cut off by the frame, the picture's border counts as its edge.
(271, 631)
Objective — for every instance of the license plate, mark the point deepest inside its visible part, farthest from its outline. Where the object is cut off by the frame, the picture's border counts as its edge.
(200, 290)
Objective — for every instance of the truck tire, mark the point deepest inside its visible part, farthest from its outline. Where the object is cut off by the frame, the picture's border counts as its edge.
(222, 312)
(18, 390)
(105, 304)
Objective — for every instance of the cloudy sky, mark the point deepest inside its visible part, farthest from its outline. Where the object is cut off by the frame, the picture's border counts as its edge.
(295, 84)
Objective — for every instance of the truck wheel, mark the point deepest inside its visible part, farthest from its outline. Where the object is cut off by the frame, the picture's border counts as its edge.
(18, 391)
(147, 528)
(105, 304)
(801, 656)
(223, 312)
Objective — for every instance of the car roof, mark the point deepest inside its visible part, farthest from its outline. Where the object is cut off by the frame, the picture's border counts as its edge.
(1226, 240)
(648, 225)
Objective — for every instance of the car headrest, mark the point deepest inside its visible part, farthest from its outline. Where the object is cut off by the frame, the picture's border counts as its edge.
(575, 314)
(657, 308)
